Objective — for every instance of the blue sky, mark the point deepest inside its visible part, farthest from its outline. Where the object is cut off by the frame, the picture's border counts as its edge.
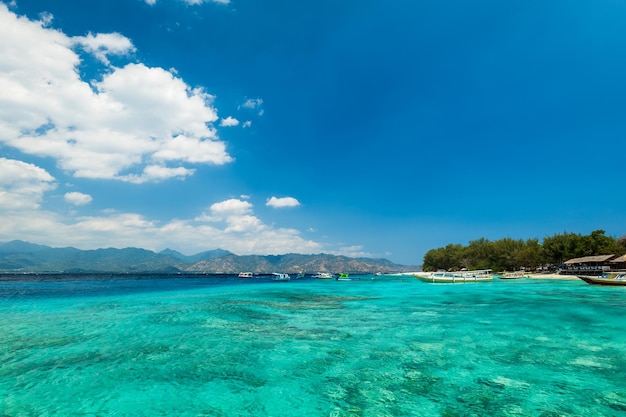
(363, 128)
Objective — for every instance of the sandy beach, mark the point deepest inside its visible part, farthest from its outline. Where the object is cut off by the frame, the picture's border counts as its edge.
(553, 276)
(531, 276)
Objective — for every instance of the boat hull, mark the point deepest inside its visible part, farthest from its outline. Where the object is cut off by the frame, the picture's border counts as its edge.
(280, 277)
(513, 276)
(454, 278)
(595, 280)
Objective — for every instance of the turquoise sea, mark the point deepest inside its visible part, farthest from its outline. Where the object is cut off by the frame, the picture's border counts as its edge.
(215, 346)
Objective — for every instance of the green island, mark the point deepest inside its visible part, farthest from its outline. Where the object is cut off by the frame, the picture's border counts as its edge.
(509, 254)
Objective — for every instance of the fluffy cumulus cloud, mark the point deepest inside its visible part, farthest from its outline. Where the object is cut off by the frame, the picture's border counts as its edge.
(243, 230)
(101, 45)
(136, 124)
(77, 199)
(22, 185)
(282, 202)
(229, 224)
(229, 121)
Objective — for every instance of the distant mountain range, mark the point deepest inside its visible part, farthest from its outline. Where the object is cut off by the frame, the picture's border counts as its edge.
(20, 256)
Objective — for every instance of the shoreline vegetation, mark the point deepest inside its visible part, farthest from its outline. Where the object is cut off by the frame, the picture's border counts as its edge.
(530, 256)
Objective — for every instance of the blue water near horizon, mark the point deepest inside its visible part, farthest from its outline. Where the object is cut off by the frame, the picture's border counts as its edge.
(221, 346)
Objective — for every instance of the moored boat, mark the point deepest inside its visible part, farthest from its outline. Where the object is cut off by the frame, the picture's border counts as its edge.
(245, 275)
(323, 275)
(514, 275)
(611, 279)
(456, 277)
(346, 277)
(280, 277)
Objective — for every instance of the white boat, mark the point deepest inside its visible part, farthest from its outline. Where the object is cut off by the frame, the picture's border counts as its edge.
(609, 278)
(514, 275)
(323, 275)
(245, 275)
(456, 277)
(280, 277)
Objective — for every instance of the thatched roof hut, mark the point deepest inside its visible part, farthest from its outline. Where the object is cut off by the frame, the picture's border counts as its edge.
(588, 265)
(589, 260)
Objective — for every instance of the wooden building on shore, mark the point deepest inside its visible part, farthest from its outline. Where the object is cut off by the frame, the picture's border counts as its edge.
(589, 265)
(618, 263)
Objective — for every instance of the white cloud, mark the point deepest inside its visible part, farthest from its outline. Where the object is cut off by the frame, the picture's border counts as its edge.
(158, 173)
(78, 199)
(103, 44)
(246, 232)
(229, 121)
(252, 103)
(229, 224)
(282, 202)
(45, 18)
(136, 118)
(232, 207)
(355, 251)
(151, 2)
(247, 123)
(134, 124)
(22, 186)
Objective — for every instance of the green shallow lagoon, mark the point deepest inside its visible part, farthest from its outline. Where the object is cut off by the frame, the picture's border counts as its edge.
(378, 347)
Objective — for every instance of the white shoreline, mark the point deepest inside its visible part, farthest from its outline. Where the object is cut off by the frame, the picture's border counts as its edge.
(553, 276)
(531, 276)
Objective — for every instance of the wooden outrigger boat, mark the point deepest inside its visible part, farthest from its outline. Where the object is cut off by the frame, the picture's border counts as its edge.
(514, 275)
(610, 278)
(456, 277)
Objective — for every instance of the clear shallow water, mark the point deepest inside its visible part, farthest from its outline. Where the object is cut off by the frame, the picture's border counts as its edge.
(228, 347)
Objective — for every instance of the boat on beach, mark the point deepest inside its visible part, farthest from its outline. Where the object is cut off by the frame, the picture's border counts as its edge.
(245, 275)
(609, 278)
(456, 277)
(280, 277)
(514, 275)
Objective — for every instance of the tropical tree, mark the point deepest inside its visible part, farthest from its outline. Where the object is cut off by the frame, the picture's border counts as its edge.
(512, 254)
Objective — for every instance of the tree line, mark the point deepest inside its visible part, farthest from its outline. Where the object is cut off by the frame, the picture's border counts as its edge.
(514, 254)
